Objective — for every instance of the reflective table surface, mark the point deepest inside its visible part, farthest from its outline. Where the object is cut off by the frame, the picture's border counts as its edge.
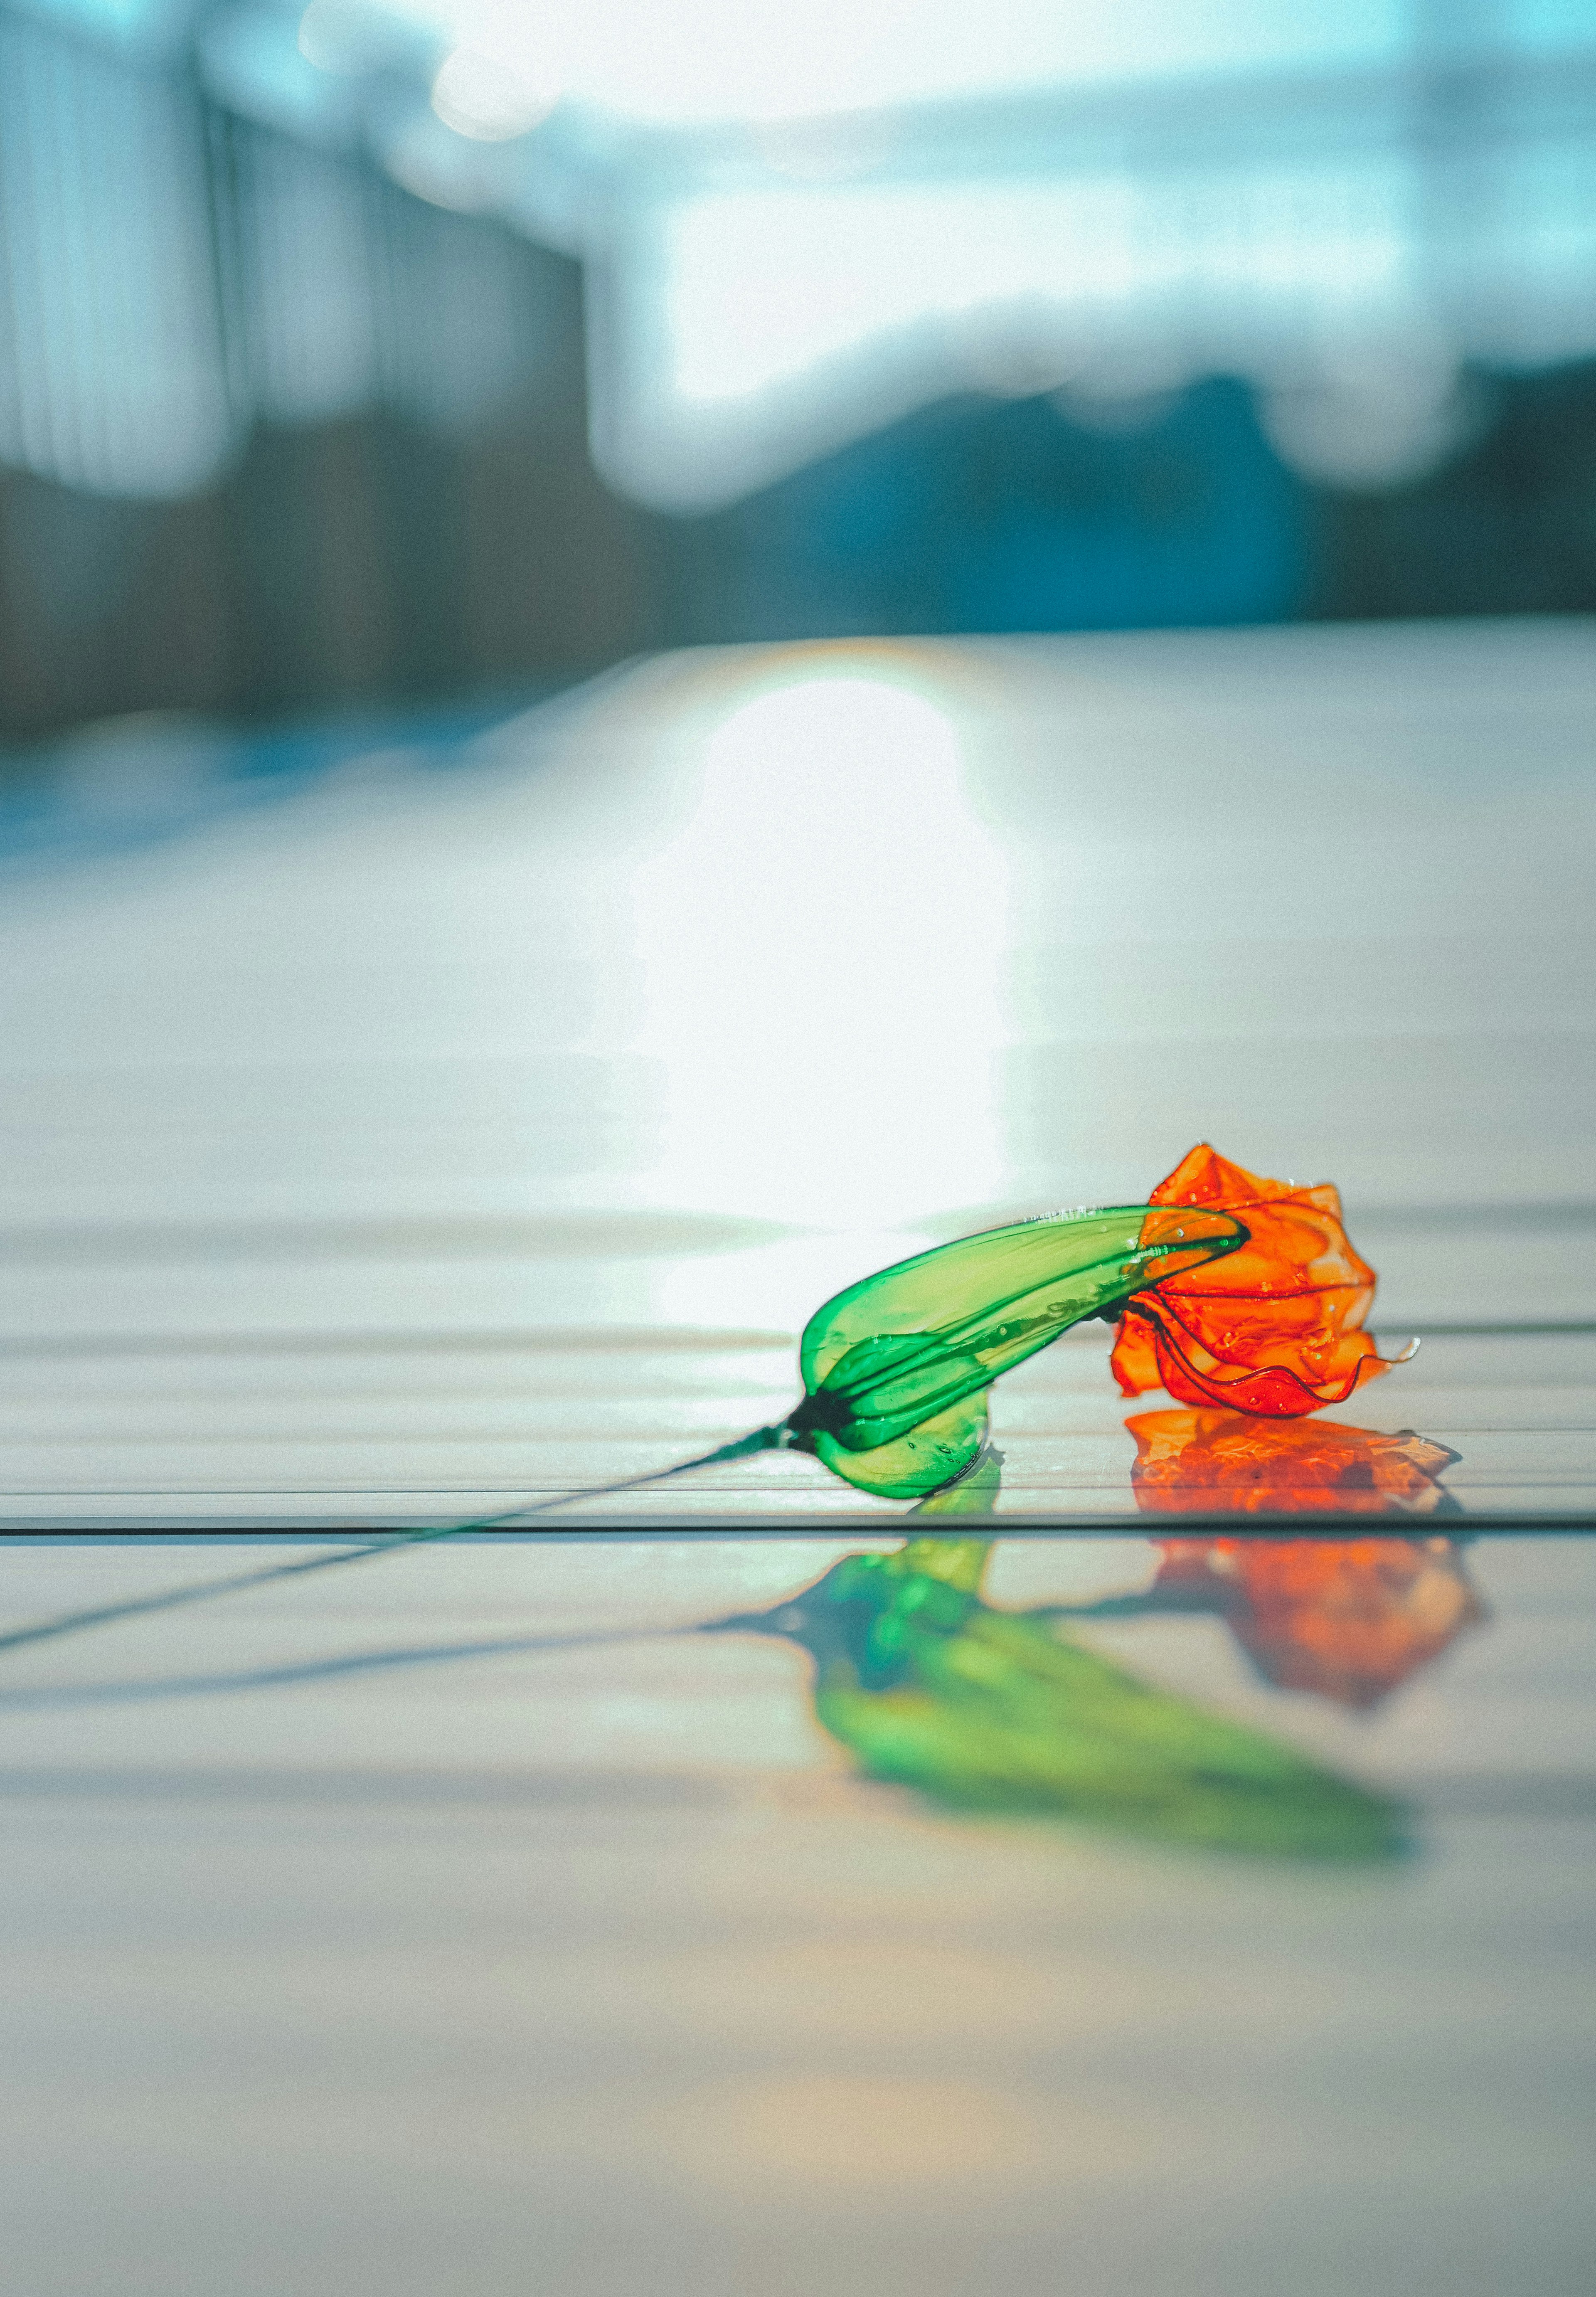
(705, 1890)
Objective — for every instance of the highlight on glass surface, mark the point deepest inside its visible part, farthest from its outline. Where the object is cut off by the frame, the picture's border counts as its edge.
(851, 979)
(1279, 1331)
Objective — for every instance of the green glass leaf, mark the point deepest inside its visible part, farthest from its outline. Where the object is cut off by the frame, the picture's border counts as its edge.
(981, 1709)
(933, 1453)
(893, 1353)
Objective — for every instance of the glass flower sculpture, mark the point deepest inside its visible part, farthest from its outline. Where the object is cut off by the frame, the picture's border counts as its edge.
(1277, 1329)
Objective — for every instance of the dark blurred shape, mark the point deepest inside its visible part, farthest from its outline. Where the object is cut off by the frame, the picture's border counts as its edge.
(368, 561)
(380, 557)
(1506, 527)
(1009, 515)
(986, 515)
(373, 557)
(299, 407)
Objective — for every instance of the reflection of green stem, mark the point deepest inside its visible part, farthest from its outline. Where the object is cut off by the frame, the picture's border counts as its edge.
(105, 1615)
(930, 1687)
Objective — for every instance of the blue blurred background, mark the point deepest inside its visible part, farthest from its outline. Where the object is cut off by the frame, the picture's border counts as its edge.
(394, 353)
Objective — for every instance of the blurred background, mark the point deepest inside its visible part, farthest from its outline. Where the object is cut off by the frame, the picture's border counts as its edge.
(381, 354)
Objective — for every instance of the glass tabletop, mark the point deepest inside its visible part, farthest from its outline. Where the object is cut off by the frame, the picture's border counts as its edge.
(787, 1913)
(1163, 1861)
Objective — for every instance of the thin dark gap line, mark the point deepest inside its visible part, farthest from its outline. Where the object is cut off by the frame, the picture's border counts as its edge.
(69, 1623)
(1474, 1476)
(477, 1438)
(1536, 1524)
(622, 1341)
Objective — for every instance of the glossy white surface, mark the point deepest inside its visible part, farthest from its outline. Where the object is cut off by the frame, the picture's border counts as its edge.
(438, 1137)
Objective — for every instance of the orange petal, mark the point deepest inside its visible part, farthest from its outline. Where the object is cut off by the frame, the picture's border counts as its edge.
(1134, 1362)
(1203, 1177)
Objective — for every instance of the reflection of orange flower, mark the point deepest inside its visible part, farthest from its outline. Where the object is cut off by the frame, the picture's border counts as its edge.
(1274, 1328)
(1217, 1462)
(1348, 1618)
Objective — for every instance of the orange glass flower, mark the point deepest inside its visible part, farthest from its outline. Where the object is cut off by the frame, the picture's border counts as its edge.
(1276, 1329)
